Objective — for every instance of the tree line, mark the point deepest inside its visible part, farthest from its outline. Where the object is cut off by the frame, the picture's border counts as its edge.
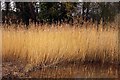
(59, 12)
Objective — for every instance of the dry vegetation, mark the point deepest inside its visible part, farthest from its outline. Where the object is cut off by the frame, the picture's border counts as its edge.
(48, 45)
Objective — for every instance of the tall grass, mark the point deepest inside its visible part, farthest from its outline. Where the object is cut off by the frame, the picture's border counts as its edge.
(52, 44)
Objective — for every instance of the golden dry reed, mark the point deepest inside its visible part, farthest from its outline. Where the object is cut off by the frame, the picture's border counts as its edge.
(52, 44)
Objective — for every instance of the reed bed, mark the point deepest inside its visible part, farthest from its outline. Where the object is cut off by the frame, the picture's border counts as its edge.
(52, 44)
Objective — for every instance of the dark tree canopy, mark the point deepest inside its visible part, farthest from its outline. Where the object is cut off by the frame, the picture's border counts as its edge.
(59, 12)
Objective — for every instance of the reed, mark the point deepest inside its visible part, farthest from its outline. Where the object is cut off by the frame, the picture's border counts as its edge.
(52, 44)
